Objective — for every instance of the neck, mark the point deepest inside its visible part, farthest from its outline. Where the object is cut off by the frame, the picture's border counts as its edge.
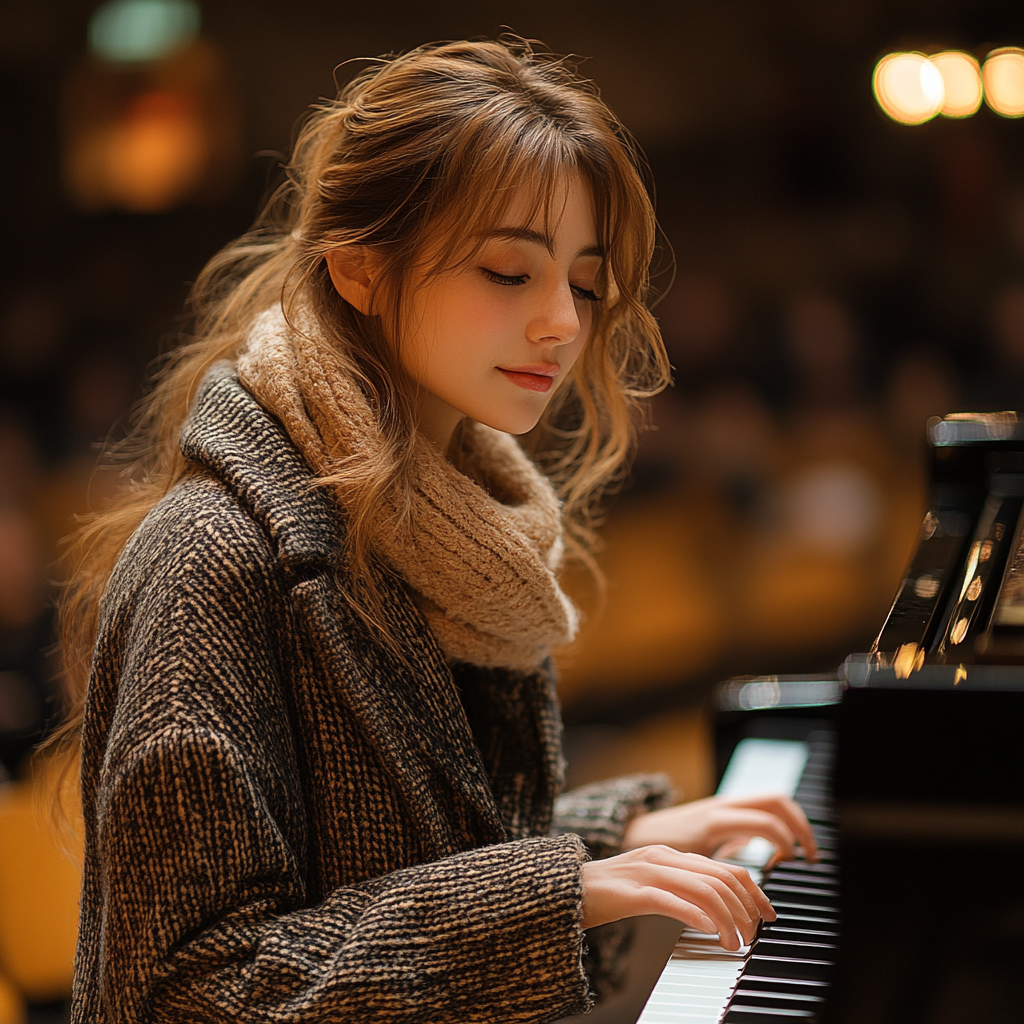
(436, 419)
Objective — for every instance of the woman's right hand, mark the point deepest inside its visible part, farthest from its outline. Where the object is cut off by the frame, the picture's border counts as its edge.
(702, 893)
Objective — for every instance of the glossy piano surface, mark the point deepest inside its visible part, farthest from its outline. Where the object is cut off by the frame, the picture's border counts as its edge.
(962, 599)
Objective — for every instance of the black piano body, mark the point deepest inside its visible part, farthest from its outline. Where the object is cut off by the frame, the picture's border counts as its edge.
(928, 784)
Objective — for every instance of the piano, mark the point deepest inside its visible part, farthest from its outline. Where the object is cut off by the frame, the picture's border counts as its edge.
(909, 762)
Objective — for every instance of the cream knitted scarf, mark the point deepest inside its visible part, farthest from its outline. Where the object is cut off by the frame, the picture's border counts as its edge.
(480, 547)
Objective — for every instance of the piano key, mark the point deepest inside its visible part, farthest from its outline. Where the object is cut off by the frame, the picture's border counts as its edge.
(765, 1015)
(786, 917)
(691, 991)
(807, 895)
(806, 909)
(771, 946)
(791, 967)
(803, 865)
(761, 997)
(784, 932)
(809, 986)
(700, 978)
(809, 928)
(816, 814)
(803, 878)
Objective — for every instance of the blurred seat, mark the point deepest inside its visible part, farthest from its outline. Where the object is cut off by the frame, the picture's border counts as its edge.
(12, 1005)
(40, 880)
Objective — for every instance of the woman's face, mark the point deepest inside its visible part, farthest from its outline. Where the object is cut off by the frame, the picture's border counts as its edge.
(494, 338)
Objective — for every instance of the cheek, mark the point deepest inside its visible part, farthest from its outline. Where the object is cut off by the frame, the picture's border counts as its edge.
(453, 334)
(574, 350)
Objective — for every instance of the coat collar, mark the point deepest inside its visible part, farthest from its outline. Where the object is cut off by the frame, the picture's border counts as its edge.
(234, 437)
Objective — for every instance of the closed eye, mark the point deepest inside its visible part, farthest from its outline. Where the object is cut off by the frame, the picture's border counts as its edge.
(586, 293)
(505, 279)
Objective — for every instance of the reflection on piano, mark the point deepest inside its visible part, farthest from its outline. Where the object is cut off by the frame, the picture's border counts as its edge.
(926, 732)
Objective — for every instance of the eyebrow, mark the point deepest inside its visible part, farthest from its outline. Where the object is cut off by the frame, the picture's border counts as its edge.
(539, 238)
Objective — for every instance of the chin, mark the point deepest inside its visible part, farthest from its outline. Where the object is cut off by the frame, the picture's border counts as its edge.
(508, 423)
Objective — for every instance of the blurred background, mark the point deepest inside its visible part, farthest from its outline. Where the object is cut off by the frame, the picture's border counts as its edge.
(841, 277)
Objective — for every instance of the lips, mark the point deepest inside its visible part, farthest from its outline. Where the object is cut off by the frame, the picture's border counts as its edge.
(536, 377)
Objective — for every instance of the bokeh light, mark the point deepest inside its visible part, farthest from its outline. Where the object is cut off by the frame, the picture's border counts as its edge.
(961, 76)
(1003, 74)
(130, 31)
(908, 87)
(156, 154)
(165, 133)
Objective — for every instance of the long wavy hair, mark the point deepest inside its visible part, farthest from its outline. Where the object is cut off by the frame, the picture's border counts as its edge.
(418, 156)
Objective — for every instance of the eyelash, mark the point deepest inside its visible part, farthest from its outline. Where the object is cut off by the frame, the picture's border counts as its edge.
(510, 282)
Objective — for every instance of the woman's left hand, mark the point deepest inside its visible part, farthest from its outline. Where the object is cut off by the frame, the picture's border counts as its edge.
(723, 824)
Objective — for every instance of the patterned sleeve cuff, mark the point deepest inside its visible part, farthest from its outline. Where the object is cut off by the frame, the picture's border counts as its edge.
(600, 811)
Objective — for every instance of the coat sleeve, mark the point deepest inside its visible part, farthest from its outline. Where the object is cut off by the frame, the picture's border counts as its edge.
(600, 811)
(204, 917)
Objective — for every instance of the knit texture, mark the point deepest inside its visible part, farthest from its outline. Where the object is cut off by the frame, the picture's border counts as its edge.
(285, 821)
(481, 553)
(601, 811)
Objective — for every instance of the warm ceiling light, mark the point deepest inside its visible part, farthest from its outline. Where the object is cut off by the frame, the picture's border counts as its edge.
(908, 87)
(961, 77)
(1003, 74)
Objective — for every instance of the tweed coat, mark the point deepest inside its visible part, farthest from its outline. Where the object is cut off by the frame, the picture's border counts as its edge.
(285, 819)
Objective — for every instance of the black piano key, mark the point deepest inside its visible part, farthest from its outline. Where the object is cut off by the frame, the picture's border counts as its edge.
(826, 844)
(826, 855)
(766, 1015)
(807, 909)
(786, 919)
(815, 801)
(801, 948)
(805, 985)
(791, 967)
(787, 931)
(804, 893)
(803, 865)
(803, 878)
(749, 996)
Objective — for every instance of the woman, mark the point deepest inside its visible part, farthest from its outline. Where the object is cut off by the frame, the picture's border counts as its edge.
(320, 747)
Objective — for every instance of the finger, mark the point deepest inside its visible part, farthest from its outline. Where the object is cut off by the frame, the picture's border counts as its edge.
(793, 815)
(753, 890)
(737, 878)
(731, 886)
(750, 821)
(741, 908)
(669, 905)
(693, 888)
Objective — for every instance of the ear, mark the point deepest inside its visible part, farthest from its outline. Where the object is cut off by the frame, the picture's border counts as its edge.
(349, 269)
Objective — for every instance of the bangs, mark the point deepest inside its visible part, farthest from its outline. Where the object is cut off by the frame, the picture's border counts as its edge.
(528, 173)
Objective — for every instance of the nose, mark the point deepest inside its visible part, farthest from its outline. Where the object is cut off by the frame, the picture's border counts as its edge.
(556, 320)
